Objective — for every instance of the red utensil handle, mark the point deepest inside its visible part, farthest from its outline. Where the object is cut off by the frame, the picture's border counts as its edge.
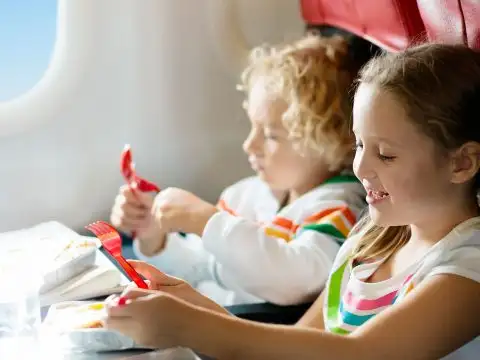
(131, 272)
(146, 186)
(134, 233)
(126, 163)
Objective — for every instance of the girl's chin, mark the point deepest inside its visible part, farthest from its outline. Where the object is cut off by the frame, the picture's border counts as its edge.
(381, 218)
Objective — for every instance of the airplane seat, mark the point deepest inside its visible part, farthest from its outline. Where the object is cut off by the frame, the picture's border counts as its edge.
(452, 21)
(389, 24)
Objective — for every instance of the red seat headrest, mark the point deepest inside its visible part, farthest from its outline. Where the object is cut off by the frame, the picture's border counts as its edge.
(395, 24)
(391, 24)
(452, 21)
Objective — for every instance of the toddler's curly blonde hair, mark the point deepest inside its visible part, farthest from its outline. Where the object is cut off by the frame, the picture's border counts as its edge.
(313, 76)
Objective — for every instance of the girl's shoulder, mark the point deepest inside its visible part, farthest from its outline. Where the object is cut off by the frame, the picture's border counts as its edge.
(458, 253)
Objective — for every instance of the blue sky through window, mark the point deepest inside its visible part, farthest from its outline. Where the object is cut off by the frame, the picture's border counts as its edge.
(27, 37)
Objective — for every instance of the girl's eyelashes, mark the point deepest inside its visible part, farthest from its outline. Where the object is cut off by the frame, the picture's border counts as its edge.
(386, 158)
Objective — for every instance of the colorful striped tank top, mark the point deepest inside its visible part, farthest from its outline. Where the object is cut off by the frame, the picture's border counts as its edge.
(350, 301)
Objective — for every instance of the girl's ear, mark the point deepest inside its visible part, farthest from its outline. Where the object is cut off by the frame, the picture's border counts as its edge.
(465, 162)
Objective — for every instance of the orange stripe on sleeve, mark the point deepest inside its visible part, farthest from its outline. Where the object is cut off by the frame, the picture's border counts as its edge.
(284, 223)
(223, 206)
(321, 215)
(349, 215)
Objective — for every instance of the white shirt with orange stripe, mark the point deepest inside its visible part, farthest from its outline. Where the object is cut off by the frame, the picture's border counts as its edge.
(251, 251)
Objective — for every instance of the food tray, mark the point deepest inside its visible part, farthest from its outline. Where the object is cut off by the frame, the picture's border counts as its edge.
(77, 326)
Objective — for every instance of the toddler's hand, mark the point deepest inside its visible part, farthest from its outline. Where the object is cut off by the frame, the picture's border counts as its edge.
(131, 212)
(177, 210)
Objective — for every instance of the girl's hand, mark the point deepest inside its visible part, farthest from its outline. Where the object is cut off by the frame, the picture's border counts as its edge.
(159, 281)
(151, 318)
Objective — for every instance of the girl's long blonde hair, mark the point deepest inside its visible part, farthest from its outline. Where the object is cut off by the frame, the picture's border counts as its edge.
(440, 87)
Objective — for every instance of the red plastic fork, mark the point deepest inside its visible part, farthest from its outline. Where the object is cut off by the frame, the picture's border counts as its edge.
(127, 168)
(112, 248)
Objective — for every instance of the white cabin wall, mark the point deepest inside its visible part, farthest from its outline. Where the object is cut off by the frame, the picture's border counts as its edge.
(146, 73)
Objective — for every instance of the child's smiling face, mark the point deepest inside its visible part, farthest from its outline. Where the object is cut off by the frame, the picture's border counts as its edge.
(407, 180)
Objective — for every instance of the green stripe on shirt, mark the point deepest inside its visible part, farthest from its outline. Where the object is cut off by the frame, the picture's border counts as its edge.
(341, 179)
(325, 228)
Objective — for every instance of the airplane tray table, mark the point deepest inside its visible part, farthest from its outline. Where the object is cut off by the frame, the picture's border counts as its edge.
(168, 354)
(134, 354)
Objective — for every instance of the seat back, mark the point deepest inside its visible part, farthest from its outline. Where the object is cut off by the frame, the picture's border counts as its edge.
(391, 24)
(452, 21)
(395, 24)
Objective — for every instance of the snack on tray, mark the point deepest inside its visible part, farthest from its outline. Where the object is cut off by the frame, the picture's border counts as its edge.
(78, 325)
(94, 324)
(95, 311)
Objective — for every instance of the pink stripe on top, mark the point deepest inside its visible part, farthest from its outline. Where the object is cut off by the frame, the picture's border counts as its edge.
(354, 302)
(366, 304)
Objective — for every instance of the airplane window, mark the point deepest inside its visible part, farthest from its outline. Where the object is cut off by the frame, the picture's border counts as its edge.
(27, 38)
